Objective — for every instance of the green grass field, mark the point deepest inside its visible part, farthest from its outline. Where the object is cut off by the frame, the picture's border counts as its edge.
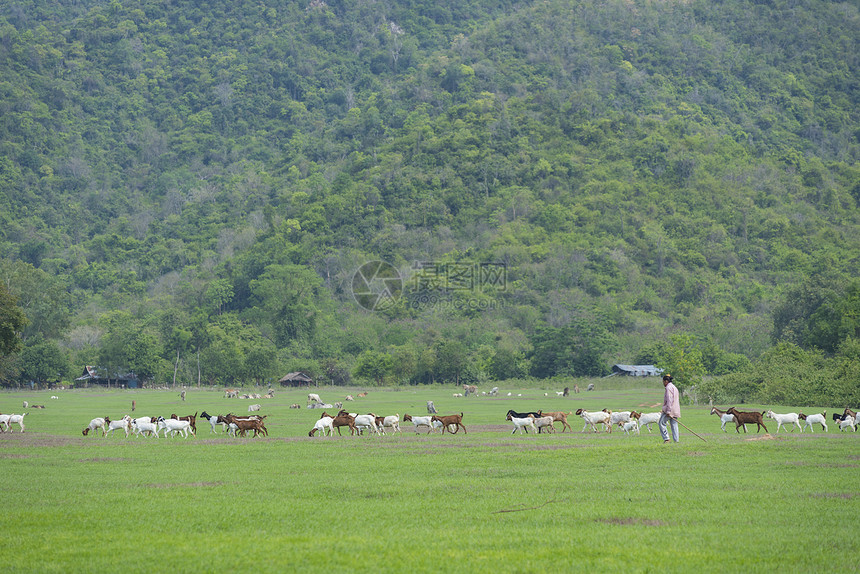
(485, 501)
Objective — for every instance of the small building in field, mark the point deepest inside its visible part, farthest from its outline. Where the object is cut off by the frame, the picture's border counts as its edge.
(635, 371)
(98, 376)
(297, 379)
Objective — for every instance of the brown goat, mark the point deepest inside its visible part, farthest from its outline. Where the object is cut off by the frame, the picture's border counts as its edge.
(342, 419)
(451, 420)
(559, 416)
(743, 418)
(245, 424)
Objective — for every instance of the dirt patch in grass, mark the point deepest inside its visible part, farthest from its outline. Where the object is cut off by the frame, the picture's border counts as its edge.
(28, 439)
(13, 455)
(696, 453)
(765, 437)
(845, 495)
(104, 459)
(632, 521)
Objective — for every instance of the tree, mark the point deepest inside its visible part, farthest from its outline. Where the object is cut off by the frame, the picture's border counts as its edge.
(12, 320)
(578, 349)
(42, 360)
(43, 298)
(682, 358)
(450, 361)
(287, 296)
(218, 294)
(373, 365)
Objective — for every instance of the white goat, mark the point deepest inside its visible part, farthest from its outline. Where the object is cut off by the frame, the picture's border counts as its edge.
(124, 423)
(173, 426)
(630, 426)
(544, 424)
(4, 421)
(17, 420)
(420, 421)
(848, 422)
(323, 426)
(616, 417)
(522, 423)
(366, 421)
(593, 419)
(820, 418)
(724, 417)
(392, 422)
(313, 398)
(144, 425)
(254, 408)
(648, 419)
(96, 423)
(784, 419)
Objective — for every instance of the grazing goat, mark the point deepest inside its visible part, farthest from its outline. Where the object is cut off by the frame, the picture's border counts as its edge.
(324, 425)
(124, 423)
(810, 420)
(744, 418)
(724, 417)
(559, 416)
(449, 420)
(96, 423)
(431, 408)
(784, 419)
(848, 421)
(313, 398)
(254, 408)
(524, 423)
(593, 419)
(645, 419)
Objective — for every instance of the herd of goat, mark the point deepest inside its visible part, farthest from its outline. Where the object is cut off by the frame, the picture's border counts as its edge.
(537, 421)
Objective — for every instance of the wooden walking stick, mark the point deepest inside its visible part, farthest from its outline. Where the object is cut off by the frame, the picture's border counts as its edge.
(686, 427)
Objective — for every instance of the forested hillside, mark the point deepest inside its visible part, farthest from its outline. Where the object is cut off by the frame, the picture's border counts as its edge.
(188, 189)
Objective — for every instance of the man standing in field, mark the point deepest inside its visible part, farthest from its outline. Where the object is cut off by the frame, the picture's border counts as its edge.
(671, 410)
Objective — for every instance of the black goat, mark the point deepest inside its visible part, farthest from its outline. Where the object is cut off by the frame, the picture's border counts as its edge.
(516, 415)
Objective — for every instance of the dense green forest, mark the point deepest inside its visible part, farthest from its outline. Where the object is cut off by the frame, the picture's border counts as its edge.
(189, 189)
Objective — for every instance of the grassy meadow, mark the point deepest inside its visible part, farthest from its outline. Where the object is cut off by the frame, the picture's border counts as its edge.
(486, 501)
